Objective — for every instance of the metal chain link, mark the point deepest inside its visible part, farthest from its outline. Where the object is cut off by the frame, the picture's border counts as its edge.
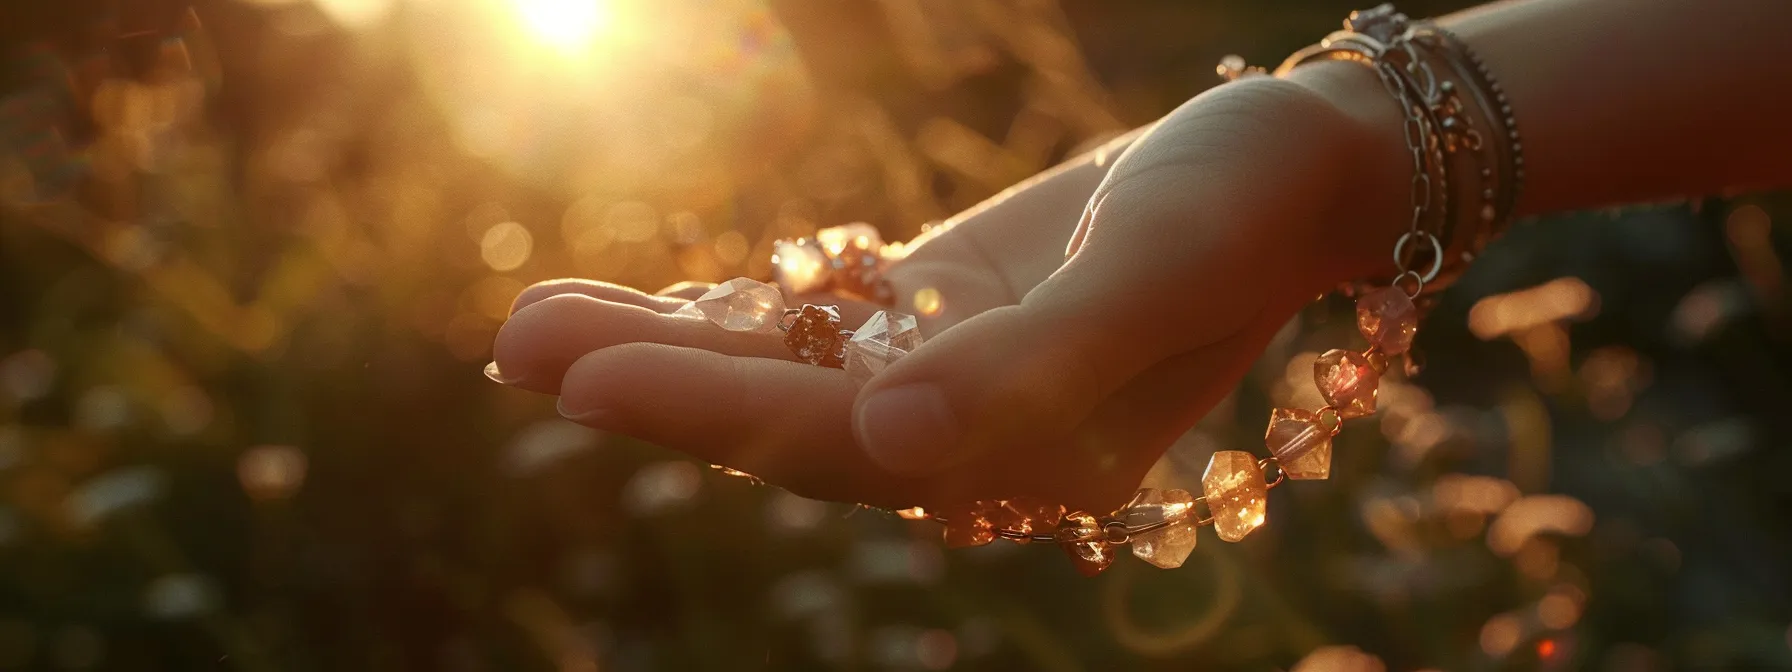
(1417, 134)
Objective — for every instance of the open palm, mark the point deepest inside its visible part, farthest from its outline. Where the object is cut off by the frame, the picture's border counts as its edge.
(1050, 375)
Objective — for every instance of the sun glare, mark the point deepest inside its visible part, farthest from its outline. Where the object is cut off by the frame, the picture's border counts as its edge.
(568, 25)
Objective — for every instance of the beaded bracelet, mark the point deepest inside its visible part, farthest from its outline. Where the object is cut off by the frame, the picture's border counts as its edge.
(1160, 525)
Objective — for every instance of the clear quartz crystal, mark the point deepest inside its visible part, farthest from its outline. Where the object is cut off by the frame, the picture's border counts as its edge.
(740, 304)
(1167, 547)
(1347, 381)
(1301, 443)
(883, 339)
(1236, 493)
(1388, 318)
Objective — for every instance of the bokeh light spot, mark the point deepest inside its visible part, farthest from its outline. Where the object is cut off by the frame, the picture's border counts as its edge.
(936, 649)
(928, 302)
(1501, 634)
(506, 246)
(271, 472)
(662, 486)
(731, 248)
(1558, 610)
(633, 221)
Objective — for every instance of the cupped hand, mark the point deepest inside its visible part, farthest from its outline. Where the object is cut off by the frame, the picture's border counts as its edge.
(1089, 318)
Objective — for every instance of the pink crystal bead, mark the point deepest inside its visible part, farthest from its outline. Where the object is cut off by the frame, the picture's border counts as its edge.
(740, 304)
(1236, 493)
(800, 266)
(883, 339)
(1347, 381)
(1301, 443)
(1086, 543)
(1388, 318)
(1168, 546)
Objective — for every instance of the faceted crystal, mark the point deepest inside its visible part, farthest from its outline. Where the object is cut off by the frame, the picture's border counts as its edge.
(800, 266)
(883, 339)
(814, 335)
(968, 525)
(1235, 493)
(741, 304)
(1388, 318)
(1301, 443)
(1025, 515)
(857, 235)
(1167, 547)
(1347, 381)
(1087, 545)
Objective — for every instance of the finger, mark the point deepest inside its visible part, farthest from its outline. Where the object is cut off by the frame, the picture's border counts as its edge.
(539, 342)
(785, 422)
(598, 290)
(687, 290)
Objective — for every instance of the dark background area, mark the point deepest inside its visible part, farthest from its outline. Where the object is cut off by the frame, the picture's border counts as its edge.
(252, 255)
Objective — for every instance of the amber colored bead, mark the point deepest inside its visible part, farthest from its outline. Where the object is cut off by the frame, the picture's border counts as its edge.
(1236, 493)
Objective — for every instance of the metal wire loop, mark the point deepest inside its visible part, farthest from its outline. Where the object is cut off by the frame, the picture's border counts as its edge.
(1437, 254)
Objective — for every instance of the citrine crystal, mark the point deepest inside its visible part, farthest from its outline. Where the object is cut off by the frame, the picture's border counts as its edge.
(1169, 545)
(1388, 318)
(814, 335)
(1301, 443)
(968, 525)
(883, 339)
(1236, 493)
(740, 304)
(1347, 381)
(1082, 538)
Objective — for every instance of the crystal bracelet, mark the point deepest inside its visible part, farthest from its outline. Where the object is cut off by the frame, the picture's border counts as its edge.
(1160, 525)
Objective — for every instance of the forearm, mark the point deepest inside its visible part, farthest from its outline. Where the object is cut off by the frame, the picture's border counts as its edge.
(1617, 102)
(1621, 102)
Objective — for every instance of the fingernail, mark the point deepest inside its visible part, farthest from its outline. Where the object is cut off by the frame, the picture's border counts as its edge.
(907, 429)
(492, 372)
(593, 417)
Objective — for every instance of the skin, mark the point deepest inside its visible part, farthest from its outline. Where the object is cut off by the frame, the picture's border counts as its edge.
(1096, 312)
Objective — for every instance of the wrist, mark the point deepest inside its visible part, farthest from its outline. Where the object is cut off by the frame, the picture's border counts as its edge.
(1371, 204)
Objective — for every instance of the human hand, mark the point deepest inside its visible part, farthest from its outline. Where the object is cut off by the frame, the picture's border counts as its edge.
(1200, 242)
